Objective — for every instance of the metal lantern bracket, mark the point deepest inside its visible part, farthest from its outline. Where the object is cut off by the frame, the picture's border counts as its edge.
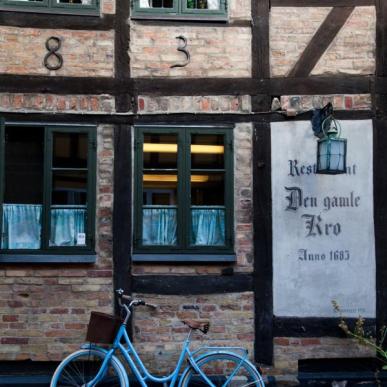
(320, 118)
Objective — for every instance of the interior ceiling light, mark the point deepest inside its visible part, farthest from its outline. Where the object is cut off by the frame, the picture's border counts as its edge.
(173, 178)
(172, 148)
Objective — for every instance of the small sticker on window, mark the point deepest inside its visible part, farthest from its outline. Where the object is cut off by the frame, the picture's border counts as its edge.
(81, 239)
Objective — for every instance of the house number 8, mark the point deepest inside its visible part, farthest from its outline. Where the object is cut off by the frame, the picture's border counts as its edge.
(53, 60)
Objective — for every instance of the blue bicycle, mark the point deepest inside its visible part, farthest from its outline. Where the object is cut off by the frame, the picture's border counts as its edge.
(208, 366)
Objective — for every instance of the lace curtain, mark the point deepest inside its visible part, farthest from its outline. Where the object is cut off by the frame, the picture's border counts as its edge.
(66, 224)
(208, 227)
(160, 227)
(21, 226)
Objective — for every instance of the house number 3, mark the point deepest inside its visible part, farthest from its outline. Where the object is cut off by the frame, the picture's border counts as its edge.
(182, 48)
(53, 60)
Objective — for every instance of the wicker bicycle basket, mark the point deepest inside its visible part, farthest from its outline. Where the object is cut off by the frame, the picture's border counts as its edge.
(102, 328)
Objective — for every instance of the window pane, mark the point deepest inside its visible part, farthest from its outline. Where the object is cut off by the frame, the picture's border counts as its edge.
(68, 227)
(160, 151)
(160, 221)
(23, 165)
(203, 4)
(207, 189)
(156, 3)
(21, 226)
(159, 226)
(207, 151)
(160, 188)
(69, 187)
(208, 227)
(70, 150)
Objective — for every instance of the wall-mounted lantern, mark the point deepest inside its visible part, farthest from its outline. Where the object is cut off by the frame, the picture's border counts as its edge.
(331, 148)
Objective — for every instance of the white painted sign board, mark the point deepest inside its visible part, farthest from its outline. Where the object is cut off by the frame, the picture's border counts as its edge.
(323, 228)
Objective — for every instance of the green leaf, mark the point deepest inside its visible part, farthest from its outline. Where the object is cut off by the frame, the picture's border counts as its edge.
(384, 367)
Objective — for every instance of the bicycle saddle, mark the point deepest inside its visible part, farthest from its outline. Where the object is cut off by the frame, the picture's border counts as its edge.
(202, 325)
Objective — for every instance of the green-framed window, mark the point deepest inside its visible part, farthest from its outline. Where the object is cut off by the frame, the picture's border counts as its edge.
(180, 9)
(183, 190)
(47, 189)
(85, 7)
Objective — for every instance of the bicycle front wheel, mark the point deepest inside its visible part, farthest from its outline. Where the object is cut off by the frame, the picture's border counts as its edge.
(82, 366)
(224, 370)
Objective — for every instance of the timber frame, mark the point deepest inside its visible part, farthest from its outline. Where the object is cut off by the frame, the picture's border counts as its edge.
(262, 89)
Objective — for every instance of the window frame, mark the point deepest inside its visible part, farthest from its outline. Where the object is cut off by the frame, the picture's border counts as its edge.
(180, 12)
(53, 254)
(183, 251)
(50, 6)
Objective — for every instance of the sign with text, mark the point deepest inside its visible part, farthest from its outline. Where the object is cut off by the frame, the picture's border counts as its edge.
(323, 233)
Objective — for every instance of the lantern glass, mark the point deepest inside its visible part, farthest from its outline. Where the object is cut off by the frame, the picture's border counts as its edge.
(331, 155)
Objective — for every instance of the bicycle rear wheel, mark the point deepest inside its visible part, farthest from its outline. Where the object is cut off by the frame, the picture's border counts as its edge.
(224, 370)
(82, 366)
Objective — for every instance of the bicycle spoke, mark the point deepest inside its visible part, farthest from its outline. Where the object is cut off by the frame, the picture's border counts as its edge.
(83, 367)
(224, 370)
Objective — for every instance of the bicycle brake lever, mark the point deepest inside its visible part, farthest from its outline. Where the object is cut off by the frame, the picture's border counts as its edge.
(120, 292)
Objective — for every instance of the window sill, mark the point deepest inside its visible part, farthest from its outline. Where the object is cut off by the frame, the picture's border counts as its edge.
(189, 258)
(53, 11)
(47, 258)
(187, 18)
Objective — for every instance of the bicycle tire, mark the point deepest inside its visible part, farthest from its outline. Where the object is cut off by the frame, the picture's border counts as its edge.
(82, 366)
(218, 367)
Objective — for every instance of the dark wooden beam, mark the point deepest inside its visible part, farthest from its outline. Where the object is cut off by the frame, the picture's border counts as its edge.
(43, 20)
(177, 118)
(199, 86)
(321, 85)
(381, 38)
(321, 41)
(321, 3)
(339, 84)
(187, 285)
(314, 326)
(260, 52)
(380, 96)
(60, 85)
(263, 267)
(380, 218)
(121, 54)
(260, 39)
(122, 208)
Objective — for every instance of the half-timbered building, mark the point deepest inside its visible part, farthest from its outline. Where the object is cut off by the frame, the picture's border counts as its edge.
(166, 147)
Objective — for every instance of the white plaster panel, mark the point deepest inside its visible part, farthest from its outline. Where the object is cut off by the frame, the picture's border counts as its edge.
(323, 248)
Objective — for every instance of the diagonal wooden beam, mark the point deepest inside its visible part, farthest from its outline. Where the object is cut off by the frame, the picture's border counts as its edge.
(321, 41)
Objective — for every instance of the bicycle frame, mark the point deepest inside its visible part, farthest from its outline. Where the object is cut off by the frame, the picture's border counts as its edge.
(137, 366)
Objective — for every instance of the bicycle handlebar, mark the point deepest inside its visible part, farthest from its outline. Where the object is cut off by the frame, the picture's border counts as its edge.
(132, 302)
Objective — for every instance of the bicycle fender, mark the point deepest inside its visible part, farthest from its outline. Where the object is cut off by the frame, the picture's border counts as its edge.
(93, 346)
(115, 358)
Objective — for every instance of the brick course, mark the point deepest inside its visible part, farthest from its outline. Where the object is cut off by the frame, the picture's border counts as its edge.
(196, 104)
(288, 350)
(351, 52)
(85, 53)
(215, 52)
(27, 102)
(108, 7)
(353, 49)
(303, 103)
(158, 335)
(291, 29)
